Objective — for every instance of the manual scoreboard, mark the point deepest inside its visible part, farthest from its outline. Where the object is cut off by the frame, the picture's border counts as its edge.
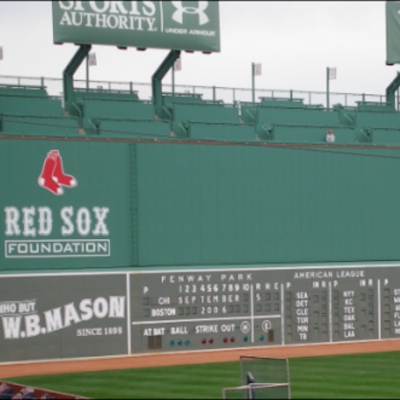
(92, 314)
(227, 308)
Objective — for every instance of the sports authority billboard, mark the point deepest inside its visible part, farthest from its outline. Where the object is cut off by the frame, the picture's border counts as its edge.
(392, 32)
(177, 25)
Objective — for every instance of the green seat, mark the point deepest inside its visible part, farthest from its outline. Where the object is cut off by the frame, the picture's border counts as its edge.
(23, 91)
(386, 137)
(281, 102)
(30, 105)
(182, 99)
(100, 95)
(182, 113)
(296, 116)
(373, 119)
(221, 132)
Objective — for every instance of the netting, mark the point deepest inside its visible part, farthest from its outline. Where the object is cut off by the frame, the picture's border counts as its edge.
(264, 370)
(266, 391)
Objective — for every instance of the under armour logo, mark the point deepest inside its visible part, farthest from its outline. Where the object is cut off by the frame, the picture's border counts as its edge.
(180, 10)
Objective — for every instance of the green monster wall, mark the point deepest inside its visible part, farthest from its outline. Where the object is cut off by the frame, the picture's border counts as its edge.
(181, 204)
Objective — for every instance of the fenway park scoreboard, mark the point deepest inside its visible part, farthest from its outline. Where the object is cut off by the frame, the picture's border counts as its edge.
(69, 315)
(265, 307)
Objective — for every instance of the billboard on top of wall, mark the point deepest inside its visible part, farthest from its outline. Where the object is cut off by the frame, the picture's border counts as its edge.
(176, 25)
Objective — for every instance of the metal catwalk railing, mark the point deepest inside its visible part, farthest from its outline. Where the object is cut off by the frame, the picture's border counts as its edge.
(229, 95)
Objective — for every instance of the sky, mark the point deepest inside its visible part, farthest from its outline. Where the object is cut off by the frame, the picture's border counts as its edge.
(294, 42)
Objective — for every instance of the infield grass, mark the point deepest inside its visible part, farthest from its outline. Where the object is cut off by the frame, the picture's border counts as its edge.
(374, 375)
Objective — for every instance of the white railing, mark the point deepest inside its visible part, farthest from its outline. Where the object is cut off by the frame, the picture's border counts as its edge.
(229, 95)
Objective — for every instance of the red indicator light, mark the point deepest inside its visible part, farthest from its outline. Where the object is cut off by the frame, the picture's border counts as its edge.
(211, 341)
(232, 339)
(225, 340)
(204, 341)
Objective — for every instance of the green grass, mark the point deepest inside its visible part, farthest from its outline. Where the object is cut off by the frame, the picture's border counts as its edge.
(351, 376)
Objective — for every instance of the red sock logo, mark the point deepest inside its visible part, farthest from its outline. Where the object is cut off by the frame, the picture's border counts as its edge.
(53, 176)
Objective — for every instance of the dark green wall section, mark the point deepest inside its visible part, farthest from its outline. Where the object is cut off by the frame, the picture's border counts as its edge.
(243, 204)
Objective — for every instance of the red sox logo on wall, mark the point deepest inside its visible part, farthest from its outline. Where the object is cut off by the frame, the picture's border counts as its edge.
(52, 176)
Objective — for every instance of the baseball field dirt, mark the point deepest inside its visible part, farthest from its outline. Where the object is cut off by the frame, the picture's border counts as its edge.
(156, 360)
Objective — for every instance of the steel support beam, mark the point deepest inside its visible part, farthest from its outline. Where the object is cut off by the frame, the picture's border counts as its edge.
(156, 80)
(391, 90)
(68, 76)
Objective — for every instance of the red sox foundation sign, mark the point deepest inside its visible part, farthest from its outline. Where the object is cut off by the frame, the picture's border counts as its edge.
(33, 222)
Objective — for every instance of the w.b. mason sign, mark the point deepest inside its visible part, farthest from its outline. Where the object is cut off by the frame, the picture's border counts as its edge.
(177, 25)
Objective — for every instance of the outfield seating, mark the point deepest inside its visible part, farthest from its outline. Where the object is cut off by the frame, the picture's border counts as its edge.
(306, 134)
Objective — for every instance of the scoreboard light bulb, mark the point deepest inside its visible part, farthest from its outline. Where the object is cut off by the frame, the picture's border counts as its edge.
(211, 341)
(245, 338)
(171, 342)
(232, 339)
(261, 337)
(225, 339)
(179, 342)
(187, 342)
(204, 341)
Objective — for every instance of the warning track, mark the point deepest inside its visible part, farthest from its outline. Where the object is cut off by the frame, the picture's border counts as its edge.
(203, 357)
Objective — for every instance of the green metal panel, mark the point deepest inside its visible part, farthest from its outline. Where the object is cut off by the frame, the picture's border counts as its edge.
(244, 205)
(392, 32)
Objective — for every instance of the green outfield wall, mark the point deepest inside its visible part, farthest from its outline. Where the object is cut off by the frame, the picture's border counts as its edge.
(179, 204)
(120, 247)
